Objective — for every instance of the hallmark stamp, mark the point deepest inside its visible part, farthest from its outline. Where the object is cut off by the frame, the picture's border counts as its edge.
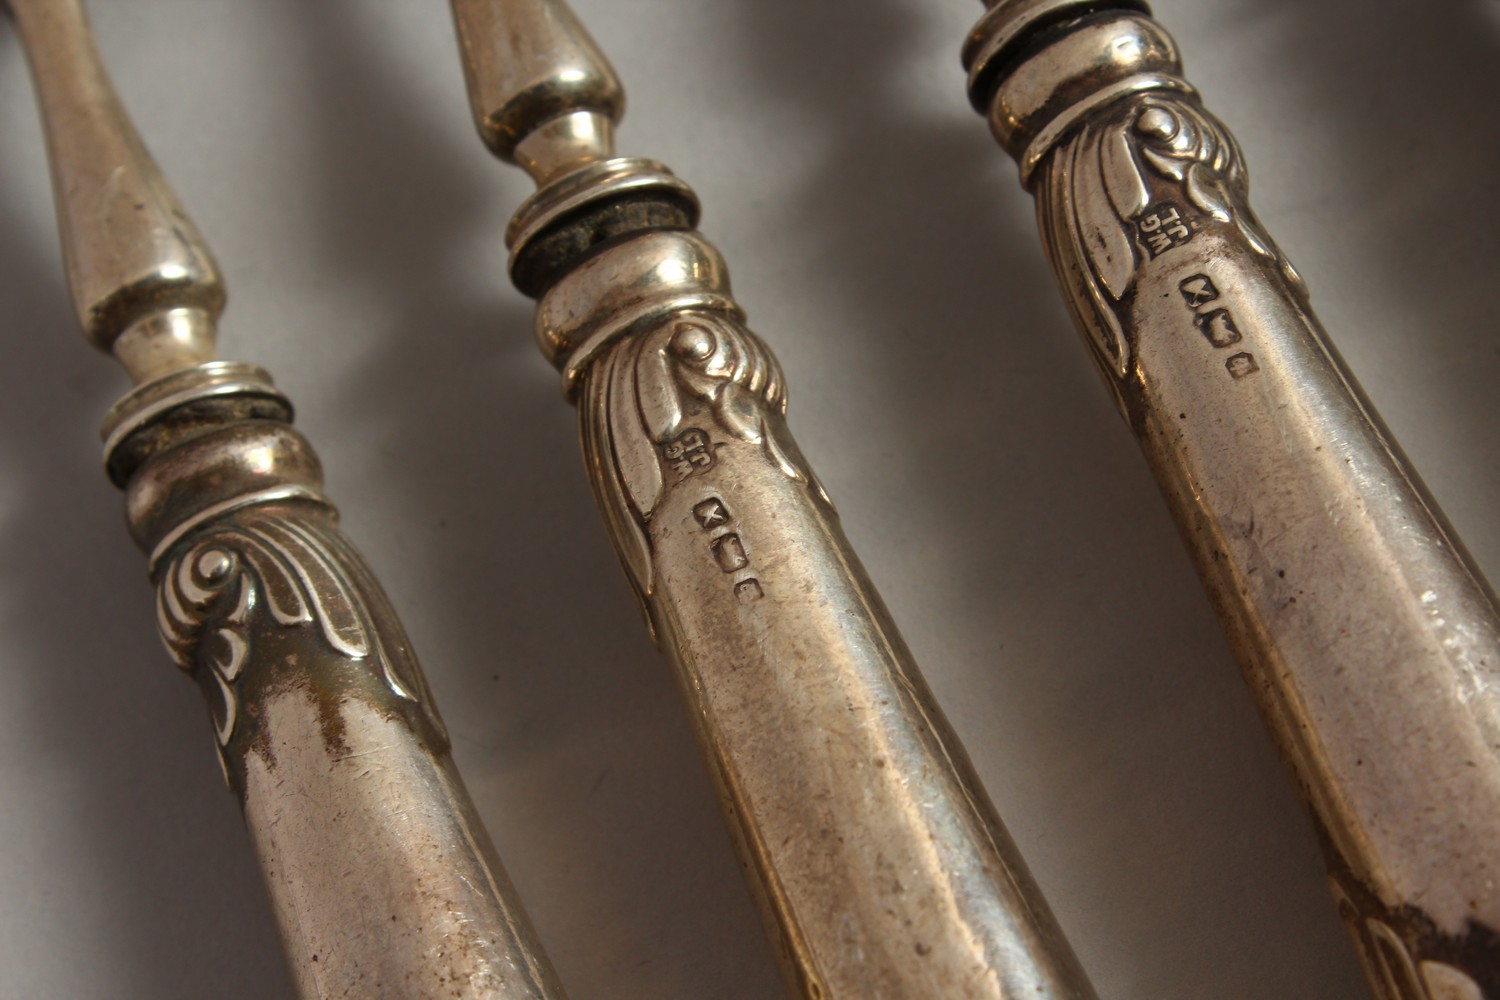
(727, 547)
(1241, 365)
(1163, 230)
(1218, 326)
(730, 553)
(711, 514)
(689, 453)
(1198, 290)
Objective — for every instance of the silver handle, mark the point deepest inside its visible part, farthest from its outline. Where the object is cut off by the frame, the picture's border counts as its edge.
(382, 878)
(881, 865)
(1368, 635)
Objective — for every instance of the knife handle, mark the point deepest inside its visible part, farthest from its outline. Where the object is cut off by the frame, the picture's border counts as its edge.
(1368, 635)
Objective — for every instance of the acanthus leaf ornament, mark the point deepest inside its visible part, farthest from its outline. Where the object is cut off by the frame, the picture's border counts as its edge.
(792, 672)
(660, 402)
(1139, 183)
(257, 572)
(1321, 548)
(380, 876)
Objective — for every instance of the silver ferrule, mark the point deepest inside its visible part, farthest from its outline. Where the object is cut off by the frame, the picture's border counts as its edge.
(834, 765)
(1368, 635)
(381, 877)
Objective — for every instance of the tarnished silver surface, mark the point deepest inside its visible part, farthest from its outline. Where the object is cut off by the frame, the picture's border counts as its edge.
(381, 876)
(876, 236)
(882, 868)
(1369, 636)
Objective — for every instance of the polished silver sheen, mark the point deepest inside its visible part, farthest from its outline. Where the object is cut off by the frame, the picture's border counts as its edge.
(882, 867)
(382, 879)
(1368, 635)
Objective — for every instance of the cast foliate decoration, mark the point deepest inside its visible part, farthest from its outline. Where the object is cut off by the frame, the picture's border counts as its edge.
(658, 405)
(1134, 185)
(242, 580)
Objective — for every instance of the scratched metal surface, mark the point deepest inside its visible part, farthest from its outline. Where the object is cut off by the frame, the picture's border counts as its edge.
(879, 240)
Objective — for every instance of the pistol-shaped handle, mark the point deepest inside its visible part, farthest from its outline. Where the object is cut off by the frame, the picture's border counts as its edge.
(1370, 639)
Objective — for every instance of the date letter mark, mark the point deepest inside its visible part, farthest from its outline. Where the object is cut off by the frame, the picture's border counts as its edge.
(1218, 326)
(1241, 365)
(727, 547)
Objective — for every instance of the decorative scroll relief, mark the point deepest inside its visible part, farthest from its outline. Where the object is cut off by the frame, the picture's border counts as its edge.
(1133, 185)
(657, 408)
(1399, 975)
(1404, 966)
(260, 572)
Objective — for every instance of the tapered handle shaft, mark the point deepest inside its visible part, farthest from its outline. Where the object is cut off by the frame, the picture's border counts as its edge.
(882, 866)
(381, 877)
(526, 61)
(143, 280)
(1371, 640)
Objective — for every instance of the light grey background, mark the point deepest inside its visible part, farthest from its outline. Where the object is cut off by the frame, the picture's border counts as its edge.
(881, 243)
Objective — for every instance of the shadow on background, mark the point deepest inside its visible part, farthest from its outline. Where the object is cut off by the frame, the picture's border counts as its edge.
(970, 376)
(966, 396)
(567, 723)
(1402, 111)
(116, 743)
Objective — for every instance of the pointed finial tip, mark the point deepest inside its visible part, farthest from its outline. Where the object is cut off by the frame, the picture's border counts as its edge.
(136, 263)
(528, 63)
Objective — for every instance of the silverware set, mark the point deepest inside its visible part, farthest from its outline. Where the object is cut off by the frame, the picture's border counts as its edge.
(870, 845)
